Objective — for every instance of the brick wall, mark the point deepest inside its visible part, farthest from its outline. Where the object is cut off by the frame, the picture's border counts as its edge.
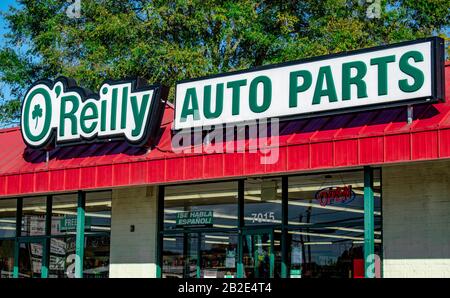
(133, 254)
(416, 220)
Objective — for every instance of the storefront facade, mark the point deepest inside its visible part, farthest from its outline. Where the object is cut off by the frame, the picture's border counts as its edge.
(259, 227)
(361, 193)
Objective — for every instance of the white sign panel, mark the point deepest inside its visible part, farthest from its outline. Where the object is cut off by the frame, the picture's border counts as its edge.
(398, 74)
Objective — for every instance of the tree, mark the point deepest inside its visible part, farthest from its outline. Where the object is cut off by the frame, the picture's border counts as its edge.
(166, 41)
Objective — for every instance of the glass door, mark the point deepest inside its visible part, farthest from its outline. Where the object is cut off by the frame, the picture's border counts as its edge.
(181, 255)
(191, 255)
(218, 255)
(258, 256)
(31, 256)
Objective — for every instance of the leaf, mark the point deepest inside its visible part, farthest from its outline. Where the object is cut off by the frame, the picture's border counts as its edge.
(37, 111)
(36, 114)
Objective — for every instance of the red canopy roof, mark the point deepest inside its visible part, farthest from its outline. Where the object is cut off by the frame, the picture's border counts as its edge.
(342, 141)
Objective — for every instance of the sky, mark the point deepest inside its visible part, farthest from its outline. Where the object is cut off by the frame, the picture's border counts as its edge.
(4, 5)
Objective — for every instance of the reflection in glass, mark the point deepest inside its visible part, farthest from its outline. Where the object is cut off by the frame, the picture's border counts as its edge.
(6, 258)
(326, 222)
(325, 227)
(62, 257)
(33, 216)
(98, 212)
(322, 257)
(8, 218)
(96, 257)
(262, 201)
(219, 255)
(64, 214)
(258, 255)
(174, 261)
(30, 259)
(97, 231)
(180, 258)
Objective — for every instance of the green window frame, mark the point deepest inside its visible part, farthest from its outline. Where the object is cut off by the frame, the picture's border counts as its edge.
(369, 237)
(46, 238)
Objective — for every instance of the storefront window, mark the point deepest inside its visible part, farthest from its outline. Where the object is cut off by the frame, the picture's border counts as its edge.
(97, 231)
(62, 257)
(212, 205)
(8, 218)
(262, 201)
(30, 259)
(33, 216)
(6, 258)
(258, 256)
(324, 231)
(7, 231)
(96, 256)
(200, 255)
(326, 224)
(180, 256)
(59, 242)
(219, 255)
(204, 212)
(64, 215)
(321, 257)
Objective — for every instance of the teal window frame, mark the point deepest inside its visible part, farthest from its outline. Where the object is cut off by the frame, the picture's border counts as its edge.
(46, 238)
(369, 226)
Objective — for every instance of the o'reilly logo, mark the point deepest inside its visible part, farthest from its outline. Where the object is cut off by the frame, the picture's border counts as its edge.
(63, 112)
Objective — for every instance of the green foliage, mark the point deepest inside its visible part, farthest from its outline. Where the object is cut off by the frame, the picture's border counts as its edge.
(166, 41)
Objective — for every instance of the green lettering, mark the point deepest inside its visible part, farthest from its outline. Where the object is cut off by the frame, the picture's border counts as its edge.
(294, 88)
(191, 96)
(68, 115)
(348, 80)
(381, 63)
(103, 116)
(330, 91)
(412, 71)
(113, 109)
(236, 94)
(84, 116)
(267, 94)
(138, 114)
(209, 114)
(48, 114)
(123, 120)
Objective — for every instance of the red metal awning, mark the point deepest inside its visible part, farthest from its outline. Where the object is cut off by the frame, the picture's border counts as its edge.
(342, 141)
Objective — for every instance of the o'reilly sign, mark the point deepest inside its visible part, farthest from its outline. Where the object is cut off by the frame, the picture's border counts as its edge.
(398, 74)
(64, 113)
